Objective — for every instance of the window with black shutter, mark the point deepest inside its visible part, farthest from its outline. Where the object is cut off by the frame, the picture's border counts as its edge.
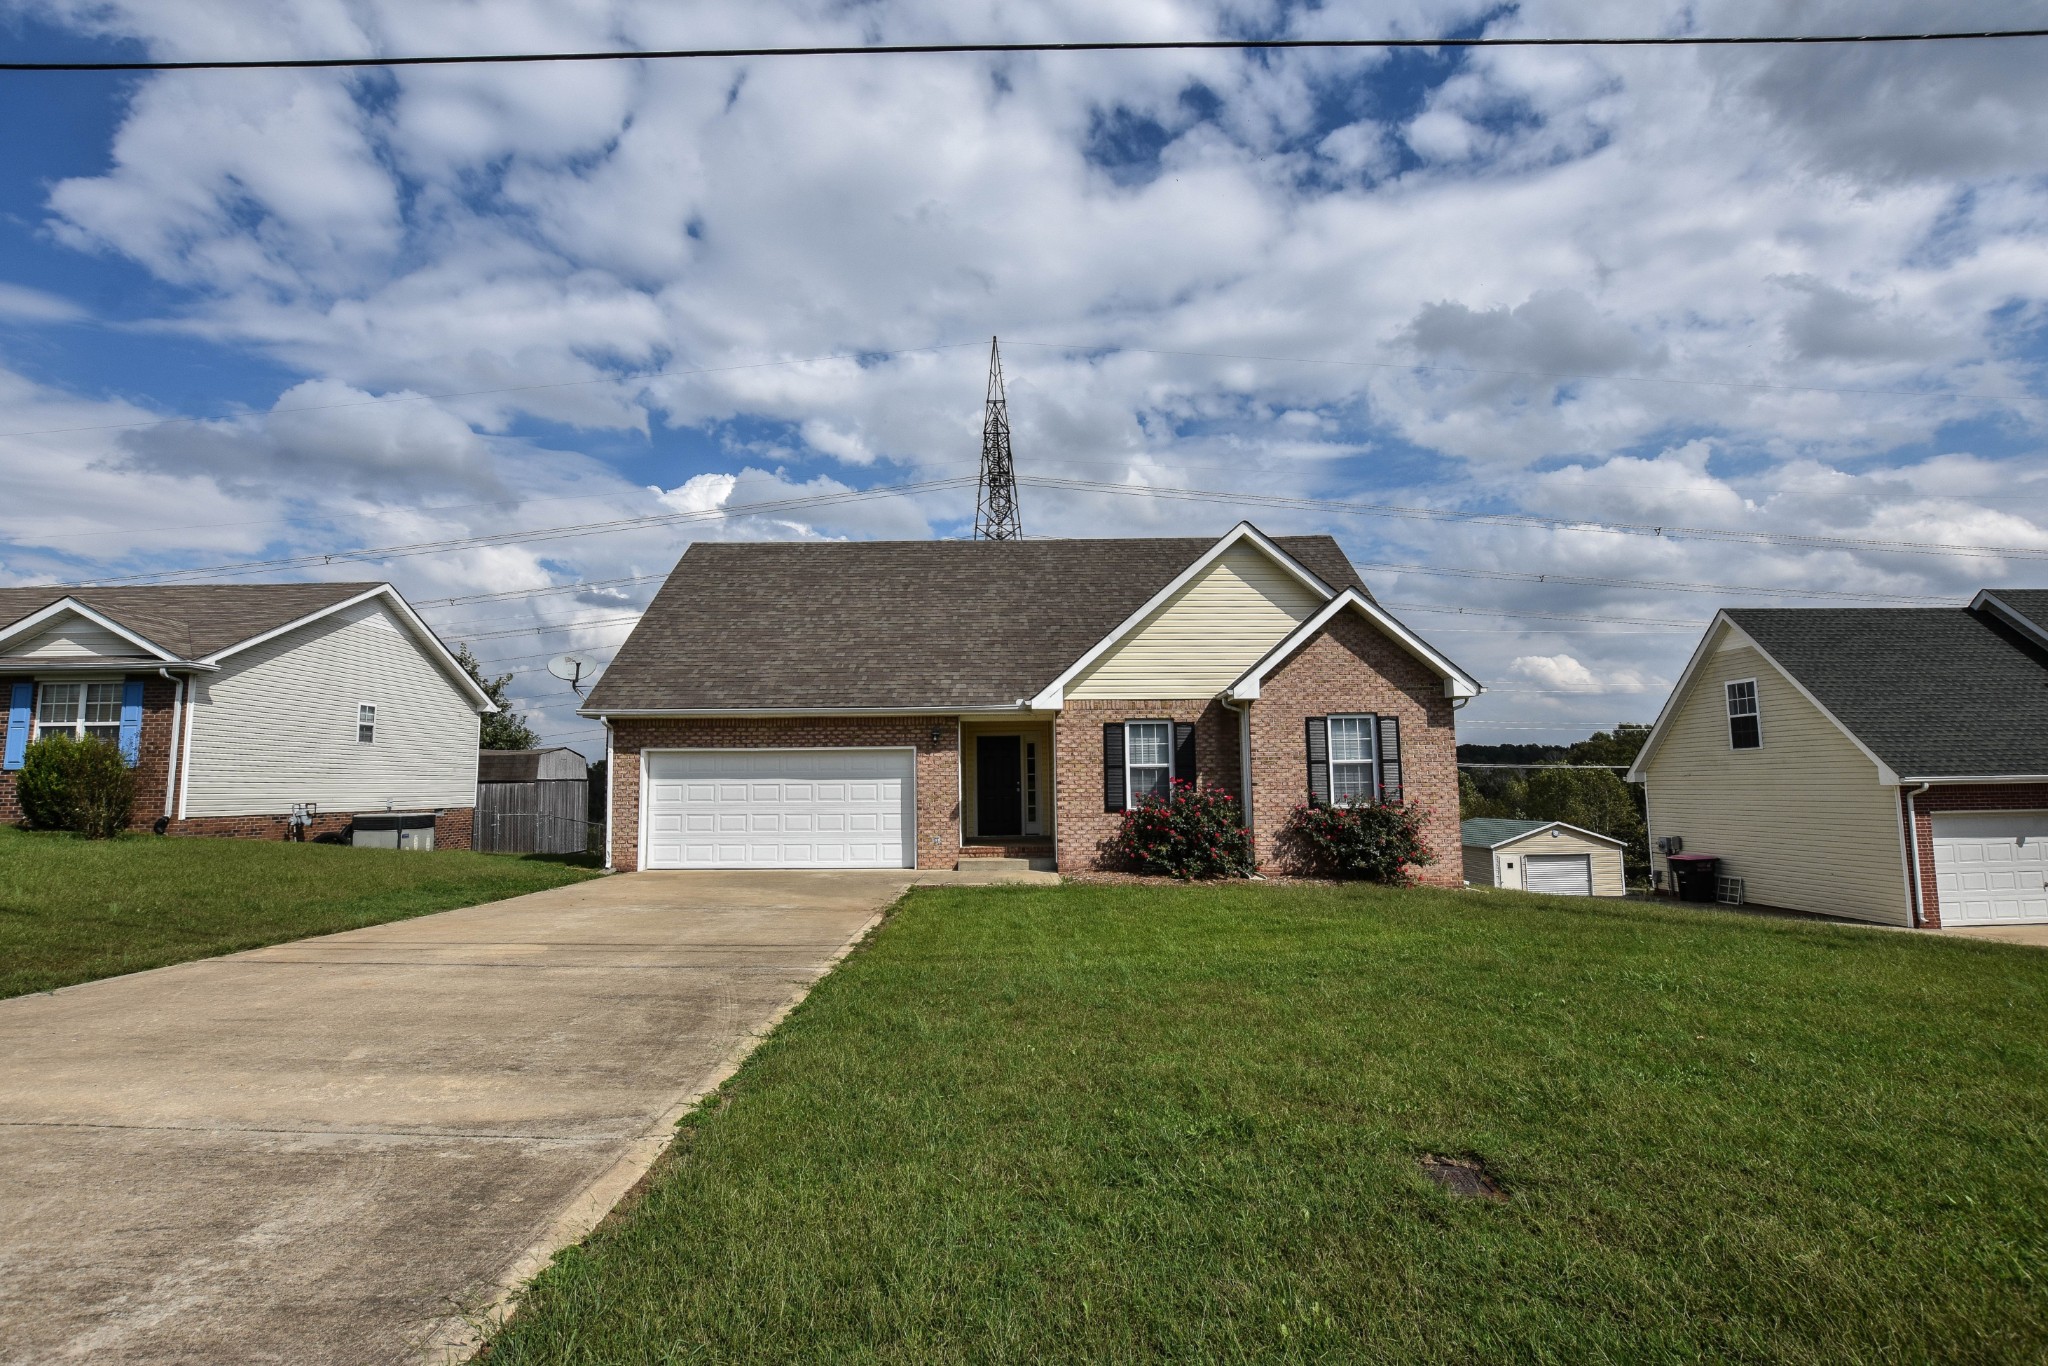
(1318, 761)
(1184, 751)
(1390, 758)
(1112, 766)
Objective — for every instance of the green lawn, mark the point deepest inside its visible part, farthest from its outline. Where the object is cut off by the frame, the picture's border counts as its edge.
(72, 909)
(1123, 1124)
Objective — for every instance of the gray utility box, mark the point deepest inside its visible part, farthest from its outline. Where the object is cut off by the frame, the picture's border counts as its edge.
(393, 830)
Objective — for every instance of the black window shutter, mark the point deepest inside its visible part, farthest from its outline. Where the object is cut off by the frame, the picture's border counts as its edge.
(1318, 761)
(1390, 758)
(1184, 751)
(1112, 766)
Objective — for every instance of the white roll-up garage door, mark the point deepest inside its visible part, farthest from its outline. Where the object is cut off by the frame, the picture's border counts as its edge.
(780, 808)
(1989, 867)
(1558, 874)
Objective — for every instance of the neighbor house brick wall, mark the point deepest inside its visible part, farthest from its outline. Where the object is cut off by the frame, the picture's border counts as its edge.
(938, 765)
(1080, 826)
(1351, 667)
(1961, 797)
(452, 826)
(159, 696)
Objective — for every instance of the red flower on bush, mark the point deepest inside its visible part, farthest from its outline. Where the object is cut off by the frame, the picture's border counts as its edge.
(1376, 843)
(1188, 832)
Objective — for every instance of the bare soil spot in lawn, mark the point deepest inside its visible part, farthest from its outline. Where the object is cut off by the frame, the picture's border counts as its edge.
(1464, 1176)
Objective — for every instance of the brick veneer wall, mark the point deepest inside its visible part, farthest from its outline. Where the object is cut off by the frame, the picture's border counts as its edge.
(938, 766)
(1080, 825)
(1962, 797)
(1351, 667)
(152, 772)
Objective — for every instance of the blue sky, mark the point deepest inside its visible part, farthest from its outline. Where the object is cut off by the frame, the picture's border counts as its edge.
(256, 316)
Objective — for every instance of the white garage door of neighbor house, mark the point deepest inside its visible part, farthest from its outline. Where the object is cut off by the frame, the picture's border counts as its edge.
(1558, 874)
(1989, 867)
(780, 808)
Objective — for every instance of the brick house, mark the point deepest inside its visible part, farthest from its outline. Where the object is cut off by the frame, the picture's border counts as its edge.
(236, 702)
(1881, 764)
(914, 703)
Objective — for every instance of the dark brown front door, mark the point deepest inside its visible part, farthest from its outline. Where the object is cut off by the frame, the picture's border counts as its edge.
(998, 786)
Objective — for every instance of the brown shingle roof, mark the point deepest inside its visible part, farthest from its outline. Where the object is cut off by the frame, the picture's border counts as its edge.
(847, 624)
(191, 620)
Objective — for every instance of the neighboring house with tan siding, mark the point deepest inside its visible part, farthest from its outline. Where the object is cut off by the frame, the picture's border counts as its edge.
(1542, 856)
(914, 703)
(1880, 764)
(235, 703)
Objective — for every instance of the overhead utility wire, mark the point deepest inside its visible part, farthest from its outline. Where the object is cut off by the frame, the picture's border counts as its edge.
(1802, 540)
(997, 49)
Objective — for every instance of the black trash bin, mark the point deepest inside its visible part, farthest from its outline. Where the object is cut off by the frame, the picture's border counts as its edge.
(1694, 875)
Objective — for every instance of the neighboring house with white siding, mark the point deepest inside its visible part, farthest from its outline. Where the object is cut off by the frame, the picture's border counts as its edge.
(916, 703)
(1880, 764)
(236, 703)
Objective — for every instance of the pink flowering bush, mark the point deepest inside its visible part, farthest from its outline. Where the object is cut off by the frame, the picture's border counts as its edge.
(1375, 843)
(1191, 832)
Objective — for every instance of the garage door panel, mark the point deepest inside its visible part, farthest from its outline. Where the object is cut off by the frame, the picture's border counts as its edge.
(1990, 867)
(818, 808)
(1558, 874)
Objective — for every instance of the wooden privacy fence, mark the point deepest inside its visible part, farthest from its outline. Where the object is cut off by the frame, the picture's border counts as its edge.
(533, 818)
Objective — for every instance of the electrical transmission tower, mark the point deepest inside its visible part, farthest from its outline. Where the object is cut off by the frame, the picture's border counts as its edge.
(995, 504)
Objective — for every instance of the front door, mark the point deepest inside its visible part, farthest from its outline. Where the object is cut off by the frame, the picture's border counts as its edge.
(998, 787)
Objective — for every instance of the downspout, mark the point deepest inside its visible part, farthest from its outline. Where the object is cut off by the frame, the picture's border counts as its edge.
(1913, 910)
(611, 785)
(177, 712)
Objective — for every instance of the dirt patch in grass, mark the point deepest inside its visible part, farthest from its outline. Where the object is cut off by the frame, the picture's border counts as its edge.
(1463, 1176)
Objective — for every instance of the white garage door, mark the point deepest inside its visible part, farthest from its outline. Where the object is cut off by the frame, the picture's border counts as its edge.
(1558, 874)
(780, 808)
(1989, 867)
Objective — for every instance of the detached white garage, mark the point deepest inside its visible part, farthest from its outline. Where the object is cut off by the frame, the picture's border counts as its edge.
(1542, 856)
(779, 808)
(1990, 867)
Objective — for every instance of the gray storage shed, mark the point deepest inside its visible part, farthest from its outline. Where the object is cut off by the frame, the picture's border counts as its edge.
(532, 801)
(1542, 856)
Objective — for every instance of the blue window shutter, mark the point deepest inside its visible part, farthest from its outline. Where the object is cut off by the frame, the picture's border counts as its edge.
(18, 711)
(131, 721)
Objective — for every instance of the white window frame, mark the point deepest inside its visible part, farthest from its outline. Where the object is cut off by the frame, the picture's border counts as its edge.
(1756, 709)
(366, 720)
(79, 727)
(1130, 788)
(1371, 762)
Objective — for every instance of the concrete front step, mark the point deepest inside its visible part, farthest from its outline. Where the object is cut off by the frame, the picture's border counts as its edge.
(996, 863)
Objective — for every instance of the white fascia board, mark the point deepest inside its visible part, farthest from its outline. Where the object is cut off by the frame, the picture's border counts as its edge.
(1457, 683)
(1053, 696)
(1885, 776)
(1989, 602)
(421, 632)
(56, 609)
(1555, 825)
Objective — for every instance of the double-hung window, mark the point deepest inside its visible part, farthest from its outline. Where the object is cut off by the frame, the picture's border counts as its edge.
(366, 725)
(1745, 723)
(1148, 760)
(1351, 778)
(82, 710)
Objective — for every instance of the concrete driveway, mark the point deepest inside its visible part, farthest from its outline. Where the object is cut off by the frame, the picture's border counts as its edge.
(334, 1150)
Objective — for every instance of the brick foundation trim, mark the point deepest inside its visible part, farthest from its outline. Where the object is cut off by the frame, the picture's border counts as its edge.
(452, 826)
(1946, 797)
(937, 765)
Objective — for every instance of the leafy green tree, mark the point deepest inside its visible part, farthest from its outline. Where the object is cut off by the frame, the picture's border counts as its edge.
(1615, 748)
(1593, 799)
(503, 728)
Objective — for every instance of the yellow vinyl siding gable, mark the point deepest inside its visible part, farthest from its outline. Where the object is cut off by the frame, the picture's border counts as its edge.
(1803, 820)
(1216, 627)
(71, 636)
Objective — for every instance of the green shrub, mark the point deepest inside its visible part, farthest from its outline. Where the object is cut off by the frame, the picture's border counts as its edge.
(1190, 833)
(1373, 843)
(70, 784)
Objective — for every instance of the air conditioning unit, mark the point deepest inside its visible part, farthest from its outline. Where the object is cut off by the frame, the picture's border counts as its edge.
(1670, 844)
(1728, 891)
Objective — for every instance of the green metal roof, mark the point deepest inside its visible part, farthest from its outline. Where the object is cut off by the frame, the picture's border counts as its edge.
(1492, 832)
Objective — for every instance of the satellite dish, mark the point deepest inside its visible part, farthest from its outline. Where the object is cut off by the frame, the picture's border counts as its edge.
(571, 670)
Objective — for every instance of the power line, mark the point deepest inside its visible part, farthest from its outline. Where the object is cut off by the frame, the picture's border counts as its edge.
(1533, 521)
(1425, 367)
(997, 49)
